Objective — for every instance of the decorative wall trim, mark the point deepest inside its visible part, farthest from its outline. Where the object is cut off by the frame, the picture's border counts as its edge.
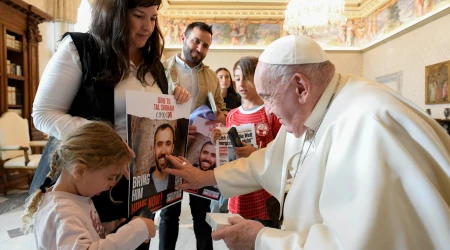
(256, 48)
(365, 9)
(375, 23)
(394, 81)
(408, 28)
(256, 9)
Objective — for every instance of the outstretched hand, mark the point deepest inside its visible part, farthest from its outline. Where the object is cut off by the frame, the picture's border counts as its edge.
(194, 177)
(240, 235)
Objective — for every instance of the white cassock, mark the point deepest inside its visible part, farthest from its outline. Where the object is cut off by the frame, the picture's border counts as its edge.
(376, 177)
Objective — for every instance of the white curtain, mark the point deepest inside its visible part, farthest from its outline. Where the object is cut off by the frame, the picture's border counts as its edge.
(63, 10)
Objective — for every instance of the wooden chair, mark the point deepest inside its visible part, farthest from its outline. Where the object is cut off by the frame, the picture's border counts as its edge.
(15, 152)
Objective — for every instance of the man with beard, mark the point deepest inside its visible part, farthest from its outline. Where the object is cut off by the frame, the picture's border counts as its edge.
(187, 70)
(207, 157)
(207, 161)
(163, 145)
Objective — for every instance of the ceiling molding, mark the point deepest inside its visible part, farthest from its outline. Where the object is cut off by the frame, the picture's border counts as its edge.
(223, 14)
(426, 19)
(368, 8)
(253, 9)
(223, 10)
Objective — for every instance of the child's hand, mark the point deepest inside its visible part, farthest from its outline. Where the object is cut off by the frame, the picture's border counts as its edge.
(150, 226)
(244, 151)
(119, 222)
(220, 118)
(214, 135)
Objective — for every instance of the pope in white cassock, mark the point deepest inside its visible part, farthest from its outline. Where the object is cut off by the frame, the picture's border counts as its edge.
(371, 170)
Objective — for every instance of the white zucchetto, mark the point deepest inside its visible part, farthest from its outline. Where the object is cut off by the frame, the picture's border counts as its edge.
(293, 49)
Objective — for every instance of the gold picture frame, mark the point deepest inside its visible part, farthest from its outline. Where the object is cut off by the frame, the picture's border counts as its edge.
(437, 83)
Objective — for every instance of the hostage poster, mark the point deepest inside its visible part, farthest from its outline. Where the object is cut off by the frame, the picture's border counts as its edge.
(157, 126)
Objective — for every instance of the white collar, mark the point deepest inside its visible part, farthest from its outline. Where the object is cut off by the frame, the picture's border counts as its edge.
(319, 110)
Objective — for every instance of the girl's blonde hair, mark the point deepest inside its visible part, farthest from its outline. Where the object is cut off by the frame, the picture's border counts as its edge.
(94, 144)
(248, 67)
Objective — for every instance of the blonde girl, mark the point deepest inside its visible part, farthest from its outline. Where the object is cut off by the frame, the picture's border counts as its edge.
(90, 160)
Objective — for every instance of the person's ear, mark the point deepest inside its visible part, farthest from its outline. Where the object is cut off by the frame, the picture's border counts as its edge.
(78, 171)
(183, 38)
(302, 87)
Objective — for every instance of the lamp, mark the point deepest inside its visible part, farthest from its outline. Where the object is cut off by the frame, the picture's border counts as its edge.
(313, 16)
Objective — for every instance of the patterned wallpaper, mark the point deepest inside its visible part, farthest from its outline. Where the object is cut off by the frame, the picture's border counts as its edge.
(409, 54)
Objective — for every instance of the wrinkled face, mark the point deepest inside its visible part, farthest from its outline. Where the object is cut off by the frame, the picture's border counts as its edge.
(281, 100)
(207, 158)
(196, 46)
(141, 23)
(94, 182)
(243, 87)
(224, 79)
(163, 146)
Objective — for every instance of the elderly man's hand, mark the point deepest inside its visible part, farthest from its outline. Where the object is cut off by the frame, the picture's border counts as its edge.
(241, 235)
(194, 177)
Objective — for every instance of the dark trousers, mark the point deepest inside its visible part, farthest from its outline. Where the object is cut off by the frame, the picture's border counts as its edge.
(168, 227)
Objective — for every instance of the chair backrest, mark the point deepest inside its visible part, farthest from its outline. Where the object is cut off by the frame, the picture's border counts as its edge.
(13, 132)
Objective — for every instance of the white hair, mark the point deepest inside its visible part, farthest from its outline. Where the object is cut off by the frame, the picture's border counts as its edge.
(317, 73)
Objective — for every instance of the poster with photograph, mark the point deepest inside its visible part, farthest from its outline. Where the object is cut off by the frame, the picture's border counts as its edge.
(206, 161)
(224, 149)
(157, 126)
(211, 156)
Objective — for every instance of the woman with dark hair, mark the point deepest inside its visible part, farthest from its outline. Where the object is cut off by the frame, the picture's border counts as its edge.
(231, 99)
(87, 78)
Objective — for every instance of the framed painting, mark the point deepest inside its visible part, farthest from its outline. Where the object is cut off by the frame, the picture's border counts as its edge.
(436, 83)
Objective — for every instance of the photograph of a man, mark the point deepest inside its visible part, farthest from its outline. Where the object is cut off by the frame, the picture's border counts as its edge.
(163, 145)
(207, 157)
(207, 161)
